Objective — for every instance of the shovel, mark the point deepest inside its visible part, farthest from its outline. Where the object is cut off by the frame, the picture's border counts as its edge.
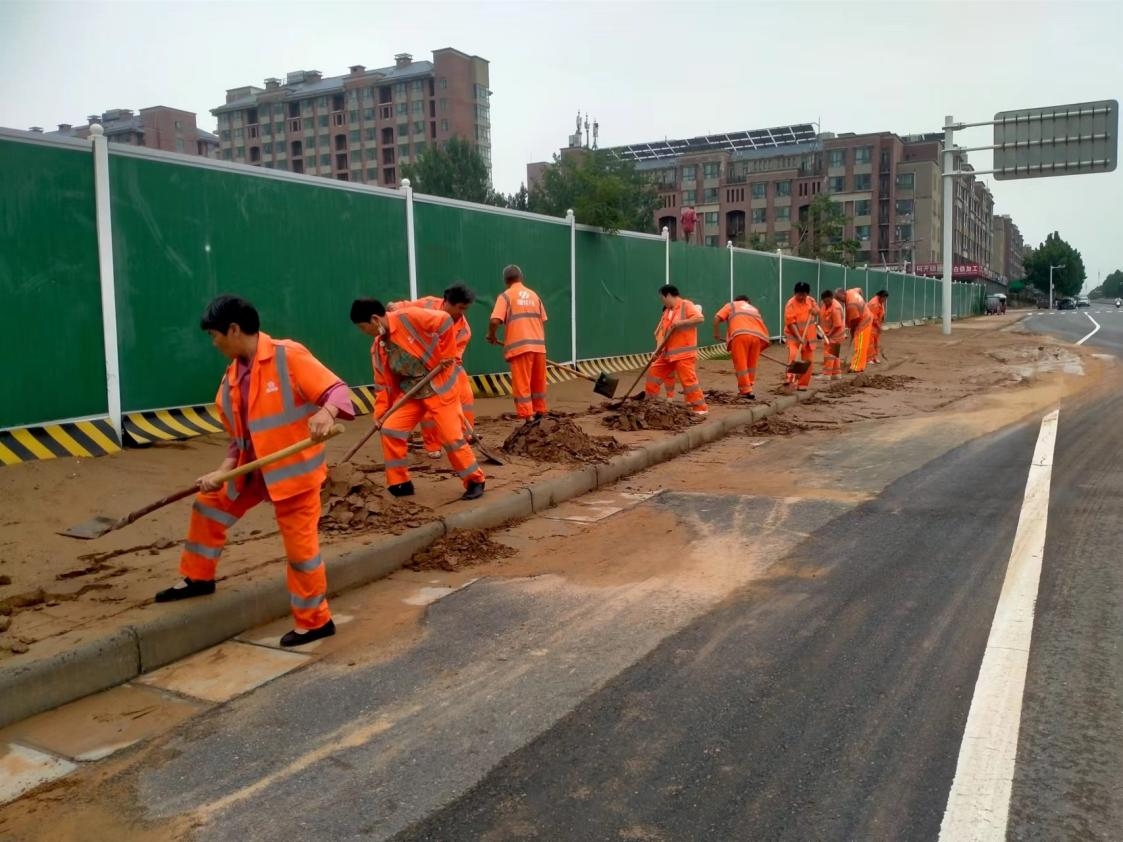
(478, 443)
(417, 387)
(643, 371)
(100, 525)
(603, 384)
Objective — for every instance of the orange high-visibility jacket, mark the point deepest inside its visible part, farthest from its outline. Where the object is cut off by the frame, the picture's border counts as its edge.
(285, 382)
(683, 344)
(429, 336)
(857, 313)
(833, 320)
(436, 302)
(744, 320)
(522, 311)
(877, 311)
(379, 365)
(800, 319)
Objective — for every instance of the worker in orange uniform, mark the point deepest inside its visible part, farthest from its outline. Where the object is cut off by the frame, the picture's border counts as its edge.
(455, 301)
(832, 322)
(801, 315)
(414, 342)
(858, 322)
(877, 308)
(745, 336)
(523, 315)
(679, 326)
(274, 394)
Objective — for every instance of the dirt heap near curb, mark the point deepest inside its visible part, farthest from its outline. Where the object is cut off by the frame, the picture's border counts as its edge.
(353, 502)
(892, 382)
(773, 426)
(716, 396)
(555, 439)
(650, 414)
(459, 549)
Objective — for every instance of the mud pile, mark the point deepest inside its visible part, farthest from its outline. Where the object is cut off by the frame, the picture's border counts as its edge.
(841, 390)
(459, 549)
(773, 426)
(716, 396)
(556, 439)
(650, 414)
(351, 502)
(892, 382)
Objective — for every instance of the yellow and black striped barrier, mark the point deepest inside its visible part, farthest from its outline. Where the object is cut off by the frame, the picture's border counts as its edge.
(83, 439)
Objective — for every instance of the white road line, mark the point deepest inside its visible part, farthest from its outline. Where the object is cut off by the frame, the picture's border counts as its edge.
(979, 802)
(1093, 333)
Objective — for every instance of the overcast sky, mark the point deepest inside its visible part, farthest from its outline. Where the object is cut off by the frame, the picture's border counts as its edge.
(643, 70)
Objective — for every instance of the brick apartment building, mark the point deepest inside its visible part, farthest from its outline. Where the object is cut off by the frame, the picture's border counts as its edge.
(157, 127)
(361, 126)
(1008, 250)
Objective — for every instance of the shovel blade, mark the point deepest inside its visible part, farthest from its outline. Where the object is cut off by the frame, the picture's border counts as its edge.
(799, 366)
(606, 385)
(93, 528)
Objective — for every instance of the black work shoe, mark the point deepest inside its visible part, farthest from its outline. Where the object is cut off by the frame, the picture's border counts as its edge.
(295, 638)
(748, 396)
(189, 588)
(474, 491)
(402, 489)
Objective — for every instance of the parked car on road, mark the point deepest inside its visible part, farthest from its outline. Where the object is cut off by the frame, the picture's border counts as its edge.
(1083, 301)
(1066, 304)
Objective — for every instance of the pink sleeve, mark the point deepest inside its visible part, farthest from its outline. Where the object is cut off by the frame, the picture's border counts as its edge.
(339, 396)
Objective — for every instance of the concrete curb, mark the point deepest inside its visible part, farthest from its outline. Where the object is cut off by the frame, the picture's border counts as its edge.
(179, 630)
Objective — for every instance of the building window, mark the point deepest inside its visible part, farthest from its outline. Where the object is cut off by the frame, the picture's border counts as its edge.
(385, 112)
(861, 232)
(368, 114)
(904, 207)
(337, 102)
(709, 195)
(904, 233)
(403, 108)
(759, 189)
(836, 184)
(419, 127)
(255, 154)
(389, 175)
(388, 155)
(400, 89)
(836, 158)
(325, 160)
(905, 181)
(862, 207)
(226, 154)
(690, 173)
(418, 148)
(862, 181)
(371, 153)
(240, 152)
(179, 144)
(337, 119)
(758, 215)
(372, 173)
(783, 214)
(711, 240)
(444, 105)
(444, 125)
(418, 107)
(354, 135)
(403, 130)
(353, 117)
(387, 136)
(267, 130)
(688, 197)
(267, 148)
(710, 217)
(372, 133)
(443, 83)
(783, 188)
(239, 133)
(179, 125)
(225, 134)
(418, 86)
(279, 128)
(863, 155)
(711, 170)
(403, 152)
(341, 161)
(323, 122)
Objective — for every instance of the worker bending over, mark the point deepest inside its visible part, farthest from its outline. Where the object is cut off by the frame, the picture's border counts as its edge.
(832, 323)
(676, 339)
(274, 394)
(858, 321)
(414, 342)
(521, 312)
(745, 337)
(878, 306)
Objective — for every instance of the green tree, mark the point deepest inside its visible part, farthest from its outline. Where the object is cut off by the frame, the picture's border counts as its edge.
(519, 200)
(602, 189)
(1055, 252)
(1112, 287)
(456, 170)
(821, 230)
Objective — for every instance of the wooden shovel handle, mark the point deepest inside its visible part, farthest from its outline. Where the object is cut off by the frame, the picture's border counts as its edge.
(417, 387)
(652, 359)
(573, 369)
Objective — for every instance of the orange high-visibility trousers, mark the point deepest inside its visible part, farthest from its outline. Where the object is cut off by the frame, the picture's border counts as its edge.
(745, 351)
(832, 365)
(665, 371)
(528, 383)
(299, 520)
(861, 349)
(794, 354)
(467, 406)
(874, 353)
(450, 432)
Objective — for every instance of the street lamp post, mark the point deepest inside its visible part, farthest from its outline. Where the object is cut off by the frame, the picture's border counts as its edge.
(1051, 268)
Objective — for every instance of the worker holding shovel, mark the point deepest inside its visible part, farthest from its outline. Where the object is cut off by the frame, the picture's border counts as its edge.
(274, 395)
(801, 315)
(832, 323)
(877, 307)
(676, 339)
(858, 322)
(746, 336)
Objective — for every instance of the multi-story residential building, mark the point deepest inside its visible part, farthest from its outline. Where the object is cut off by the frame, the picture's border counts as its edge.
(361, 126)
(755, 187)
(1008, 248)
(158, 127)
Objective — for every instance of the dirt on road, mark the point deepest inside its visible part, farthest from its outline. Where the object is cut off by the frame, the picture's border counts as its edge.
(554, 439)
(459, 549)
(650, 414)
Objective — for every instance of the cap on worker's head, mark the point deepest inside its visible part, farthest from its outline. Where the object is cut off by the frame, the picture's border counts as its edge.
(512, 273)
(668, 289)
(363, 308)
(226, 310)
(460, 294)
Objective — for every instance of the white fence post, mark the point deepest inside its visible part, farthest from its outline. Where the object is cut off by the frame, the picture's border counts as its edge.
(572, 220)
(411, 243)
(818, 277)
(729, 245)
(667, 255)
(103, 215)
(780, 290)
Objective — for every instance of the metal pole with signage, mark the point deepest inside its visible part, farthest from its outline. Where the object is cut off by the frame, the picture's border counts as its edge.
(1032, 143)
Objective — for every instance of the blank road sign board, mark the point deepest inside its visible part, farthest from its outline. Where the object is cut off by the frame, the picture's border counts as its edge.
(1060, 140)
